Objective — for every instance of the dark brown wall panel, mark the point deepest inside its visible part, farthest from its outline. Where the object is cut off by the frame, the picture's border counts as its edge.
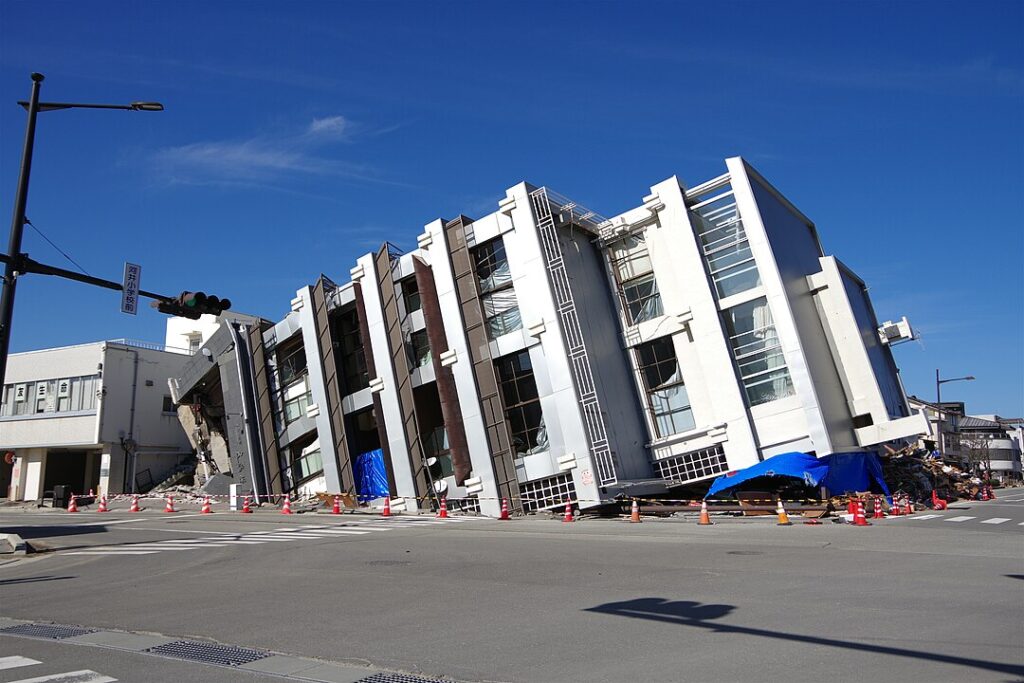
(371, 370)
(329, 363)
(265, 407)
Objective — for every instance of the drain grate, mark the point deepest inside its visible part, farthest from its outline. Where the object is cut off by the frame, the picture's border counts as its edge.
(208, 653)
(384, 677)
(51, 631)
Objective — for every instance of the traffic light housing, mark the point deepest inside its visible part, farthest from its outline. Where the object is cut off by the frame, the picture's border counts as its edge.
(192, 305)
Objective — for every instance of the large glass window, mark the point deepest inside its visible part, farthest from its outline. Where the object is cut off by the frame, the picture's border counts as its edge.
(497, 295)
(411, 295)
(353, 360)
(667, 398)
(291, 364)
(638, 289)
(522, 404)
(297, 398)
(725, 245)
(418, 347)
(758, 353)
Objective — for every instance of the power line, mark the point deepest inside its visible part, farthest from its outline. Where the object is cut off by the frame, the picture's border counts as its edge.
(52, 244)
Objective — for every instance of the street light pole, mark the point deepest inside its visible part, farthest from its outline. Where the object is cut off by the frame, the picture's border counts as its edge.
(17, 263)
(938, 406)
(17, 228)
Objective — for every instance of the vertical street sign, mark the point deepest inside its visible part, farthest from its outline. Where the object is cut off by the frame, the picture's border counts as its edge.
(130, 288)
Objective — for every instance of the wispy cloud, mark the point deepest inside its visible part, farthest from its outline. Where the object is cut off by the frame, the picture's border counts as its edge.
(265, 158)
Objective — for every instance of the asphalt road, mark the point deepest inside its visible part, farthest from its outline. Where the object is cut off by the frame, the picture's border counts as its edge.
(538, 600)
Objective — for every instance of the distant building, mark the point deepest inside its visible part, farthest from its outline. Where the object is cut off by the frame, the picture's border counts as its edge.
(543, 353)
(992, 443)
(92, 416)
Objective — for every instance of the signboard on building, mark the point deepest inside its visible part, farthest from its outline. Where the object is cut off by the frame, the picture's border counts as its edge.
(63, 388)
(130, 288)
(20, 392)
(41, 388)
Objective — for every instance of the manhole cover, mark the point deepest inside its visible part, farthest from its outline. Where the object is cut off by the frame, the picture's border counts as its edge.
(744, 552)
(46, 631)
(384, 677)
(388, 563)
(209, 653)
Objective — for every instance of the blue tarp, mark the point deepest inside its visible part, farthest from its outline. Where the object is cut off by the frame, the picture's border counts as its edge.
(370, 475)
(840, 473)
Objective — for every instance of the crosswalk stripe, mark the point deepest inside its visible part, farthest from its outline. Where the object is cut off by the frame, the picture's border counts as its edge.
(996, 520)
(113, 552)
(16, 661)
(261, 539)
(959, 519)
(83, 676)
(342, 532)
(927, 516)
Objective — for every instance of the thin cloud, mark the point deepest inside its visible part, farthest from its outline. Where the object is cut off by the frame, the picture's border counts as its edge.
(330, 127)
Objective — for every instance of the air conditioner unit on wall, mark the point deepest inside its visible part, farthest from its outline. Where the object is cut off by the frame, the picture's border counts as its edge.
(893, 333)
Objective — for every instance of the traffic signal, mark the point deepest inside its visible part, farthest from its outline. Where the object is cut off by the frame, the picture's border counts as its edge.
(193, 305)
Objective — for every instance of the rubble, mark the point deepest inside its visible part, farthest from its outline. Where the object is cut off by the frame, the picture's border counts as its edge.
(915, 472)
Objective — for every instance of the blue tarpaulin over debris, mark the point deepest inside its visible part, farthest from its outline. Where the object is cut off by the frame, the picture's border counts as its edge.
(840, 473)
(370, 475)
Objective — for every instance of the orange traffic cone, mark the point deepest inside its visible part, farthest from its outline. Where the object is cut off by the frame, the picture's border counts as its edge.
(72, 506)
(170, 505)
(386, 512)
(783, 517)
(336, 509)
(991, 492)
(859, 518)
(634, 513)
(705, 518)
(245, 506)
(286, 508)
(568, 513)
(909, 509)
(135, 504)
(504, 509)
(103, 504)
(206, 509)
(878, 509)
(443, 512)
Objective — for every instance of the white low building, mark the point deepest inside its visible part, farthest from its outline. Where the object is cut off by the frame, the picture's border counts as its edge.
(93, 416)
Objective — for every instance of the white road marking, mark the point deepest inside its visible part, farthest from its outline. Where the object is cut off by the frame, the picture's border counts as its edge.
(261, 539)
(140, 519)
(959, 519)
(996, 520)
(113, 552)
(342, 532)
(927, 516)
(83, 676)
(16, 661)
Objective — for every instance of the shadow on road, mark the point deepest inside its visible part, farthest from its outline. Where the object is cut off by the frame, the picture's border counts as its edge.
(53, 531)
(1014, 576)
(34, 579)
(687, 613)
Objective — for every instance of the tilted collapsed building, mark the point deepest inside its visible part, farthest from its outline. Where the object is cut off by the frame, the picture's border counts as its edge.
(543, 353)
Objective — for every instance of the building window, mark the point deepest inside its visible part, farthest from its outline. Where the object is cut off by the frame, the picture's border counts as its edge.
(725, 245)
(194, 342)
(497, 295)
(419, 349)
(353, 359)
(169, 405)
(634, 276)
(411, 295)
(435, 445)
(758, 353)
(291, 364)
(667, 398)
(522, 404)
(50, 395)
(306, 461)
(297, 398)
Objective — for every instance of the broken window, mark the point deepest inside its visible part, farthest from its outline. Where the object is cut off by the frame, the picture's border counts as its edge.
(725, 245)
(667, 398)
(411, 295)
(419, 349)
(638, 289)
(306, 461)
(522, 404)
(758, 352)
(497, 295)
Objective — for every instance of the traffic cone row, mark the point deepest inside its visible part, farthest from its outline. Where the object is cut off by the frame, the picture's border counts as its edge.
(504, 509)
(443, 512)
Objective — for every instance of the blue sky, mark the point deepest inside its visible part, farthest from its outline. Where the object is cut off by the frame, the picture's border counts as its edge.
(299, 135)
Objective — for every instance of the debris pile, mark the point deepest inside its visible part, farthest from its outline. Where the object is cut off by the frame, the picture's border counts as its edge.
(915, 472)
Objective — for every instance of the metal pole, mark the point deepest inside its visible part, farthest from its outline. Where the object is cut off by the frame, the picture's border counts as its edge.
(938, 415)
(17, 227)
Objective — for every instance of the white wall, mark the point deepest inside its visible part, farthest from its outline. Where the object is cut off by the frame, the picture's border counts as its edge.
(180, 330)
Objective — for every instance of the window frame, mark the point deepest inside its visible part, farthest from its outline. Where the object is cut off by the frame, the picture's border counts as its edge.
(660, 363)
(513, 379)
